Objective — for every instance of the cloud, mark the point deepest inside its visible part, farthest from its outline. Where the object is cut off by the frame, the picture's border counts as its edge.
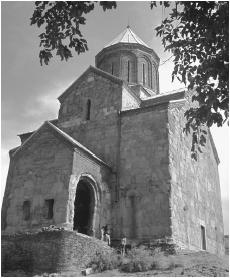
(44, 106)
(4, 169)
(165, 79)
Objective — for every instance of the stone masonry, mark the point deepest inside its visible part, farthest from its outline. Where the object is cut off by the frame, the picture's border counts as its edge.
(117, 155)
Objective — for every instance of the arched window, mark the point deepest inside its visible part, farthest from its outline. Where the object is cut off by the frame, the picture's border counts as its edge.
(88, 109)
(128, 71)
(151, 79)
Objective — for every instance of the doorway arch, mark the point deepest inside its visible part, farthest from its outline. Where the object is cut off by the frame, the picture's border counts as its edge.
(85, 205)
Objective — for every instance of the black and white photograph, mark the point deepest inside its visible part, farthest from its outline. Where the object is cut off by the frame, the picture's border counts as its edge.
(115, 138)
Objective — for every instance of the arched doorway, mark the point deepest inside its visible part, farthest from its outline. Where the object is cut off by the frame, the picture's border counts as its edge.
(84, 208)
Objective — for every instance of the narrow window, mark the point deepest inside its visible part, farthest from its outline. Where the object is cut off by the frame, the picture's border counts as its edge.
(143, 72)
(203, 238)
(88, 109)
(49, 206)
(112, 69)
(128, 70)
(151, 81)
(26, 210)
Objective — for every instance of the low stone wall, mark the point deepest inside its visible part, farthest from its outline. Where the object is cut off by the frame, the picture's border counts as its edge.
(48, 251)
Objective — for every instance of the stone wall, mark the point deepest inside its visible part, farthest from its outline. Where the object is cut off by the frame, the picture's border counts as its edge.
(195, 193)
(111, 64)
(104, 93)
(226, 244)
(99, 134)
(137, 55)
(49, 252)
(40, 171)
(103, 184)
(144, 175)
(129, 101)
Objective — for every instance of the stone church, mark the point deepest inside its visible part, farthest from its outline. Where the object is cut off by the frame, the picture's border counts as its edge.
(117, 155)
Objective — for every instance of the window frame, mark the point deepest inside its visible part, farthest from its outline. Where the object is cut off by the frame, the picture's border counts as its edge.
(88, 110)
(203, 238)
(26, 207)
(143, 74)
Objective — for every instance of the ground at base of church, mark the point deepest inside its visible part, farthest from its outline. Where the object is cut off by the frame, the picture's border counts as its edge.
(191, 264)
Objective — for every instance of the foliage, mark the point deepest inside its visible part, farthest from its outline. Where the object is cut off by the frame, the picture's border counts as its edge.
(104, 261)
(196, 33)
(137, 260)
(62, 21)
(164, 262)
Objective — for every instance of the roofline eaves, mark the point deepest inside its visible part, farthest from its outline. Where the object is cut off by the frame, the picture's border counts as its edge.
(68, 138)
(28, 139)
(77, 145)
(131, 92)
(125, 43)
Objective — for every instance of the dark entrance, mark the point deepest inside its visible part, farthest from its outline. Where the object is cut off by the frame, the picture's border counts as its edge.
(84, 208)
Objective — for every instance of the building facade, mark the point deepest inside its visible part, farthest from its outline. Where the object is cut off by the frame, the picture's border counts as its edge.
(117, 155)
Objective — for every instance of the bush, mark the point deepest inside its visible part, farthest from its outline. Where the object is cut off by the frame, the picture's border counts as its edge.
(163, 262)
(104, 261)
(137, 260)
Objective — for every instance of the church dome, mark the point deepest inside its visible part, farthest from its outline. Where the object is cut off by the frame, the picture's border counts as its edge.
(130, 59)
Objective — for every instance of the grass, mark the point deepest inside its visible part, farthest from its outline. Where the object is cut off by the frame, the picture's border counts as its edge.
(186, 263)
(136, 260)
(104, 261)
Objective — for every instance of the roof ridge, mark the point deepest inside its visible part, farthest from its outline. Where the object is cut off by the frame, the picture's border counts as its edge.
(104, 74)
(113, 77)
(76, 143)
(67, 137)
(123, 35)
(107, 73)
(136, 37)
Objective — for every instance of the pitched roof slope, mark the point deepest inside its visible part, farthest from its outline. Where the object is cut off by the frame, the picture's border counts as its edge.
(102, 73)
(127, 36)
(96, 71)
(65, 136)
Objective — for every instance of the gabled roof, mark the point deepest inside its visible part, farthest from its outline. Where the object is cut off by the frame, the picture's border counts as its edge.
(75, 144)
(127, 36)
(90, 69)
(102, 73)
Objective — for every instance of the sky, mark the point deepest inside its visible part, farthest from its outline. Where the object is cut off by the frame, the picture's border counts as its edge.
(29, 91)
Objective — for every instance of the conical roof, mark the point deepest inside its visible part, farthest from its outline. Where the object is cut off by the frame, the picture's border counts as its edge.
(127, 36)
